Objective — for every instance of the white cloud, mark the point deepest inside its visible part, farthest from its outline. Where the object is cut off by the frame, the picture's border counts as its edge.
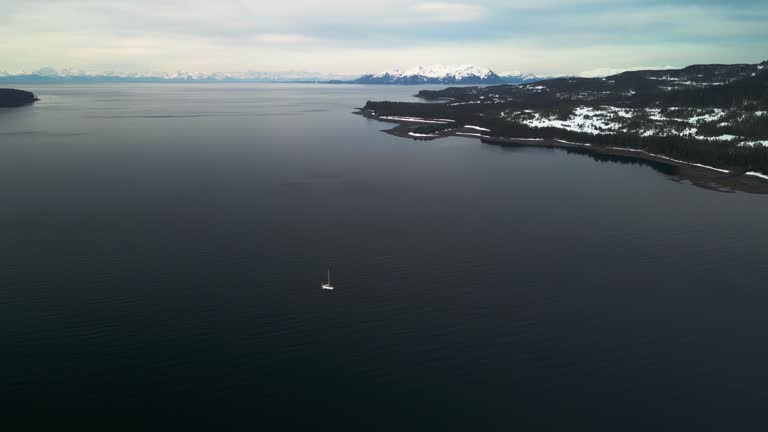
(281, 38)
(539, 36)
(448, 12)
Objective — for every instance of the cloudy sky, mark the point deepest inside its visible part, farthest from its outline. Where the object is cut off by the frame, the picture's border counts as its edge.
(354, 36)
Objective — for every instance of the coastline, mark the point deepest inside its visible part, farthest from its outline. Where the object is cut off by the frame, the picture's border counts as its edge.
(15, 98)
(708, 177)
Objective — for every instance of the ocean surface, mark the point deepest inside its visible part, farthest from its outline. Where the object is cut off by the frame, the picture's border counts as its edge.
(163, 247)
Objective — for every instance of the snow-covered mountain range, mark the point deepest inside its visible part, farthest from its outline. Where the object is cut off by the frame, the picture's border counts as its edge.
(78, 75)
(431, 74)
(444, 74)
(517, 77)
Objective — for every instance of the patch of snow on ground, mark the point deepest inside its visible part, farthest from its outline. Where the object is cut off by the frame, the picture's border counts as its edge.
(621, 112)
(477, 128)
(414, 134)
(716, 115)
(670, 159)
(584, 119)
(757, 174)
(725, 137)
(472, 134)
(655, 114)
(414, 119)
(754, 143)
(573, 143)
(689, 131)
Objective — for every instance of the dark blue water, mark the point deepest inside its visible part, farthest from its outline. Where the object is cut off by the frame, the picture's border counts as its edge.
(163, 248)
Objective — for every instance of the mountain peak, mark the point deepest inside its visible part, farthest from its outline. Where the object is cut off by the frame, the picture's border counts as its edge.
(434, 74)
(517, 77)
(440, 71)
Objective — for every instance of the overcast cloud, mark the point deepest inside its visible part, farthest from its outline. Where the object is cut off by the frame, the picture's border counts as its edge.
(540, 36)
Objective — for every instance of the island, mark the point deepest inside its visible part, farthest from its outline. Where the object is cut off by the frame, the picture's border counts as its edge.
(11, 98)
(707, 122)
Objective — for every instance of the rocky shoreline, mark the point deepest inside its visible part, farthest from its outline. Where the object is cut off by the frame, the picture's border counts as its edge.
(707, 177)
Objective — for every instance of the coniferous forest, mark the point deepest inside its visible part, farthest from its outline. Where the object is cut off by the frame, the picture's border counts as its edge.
(709, 114)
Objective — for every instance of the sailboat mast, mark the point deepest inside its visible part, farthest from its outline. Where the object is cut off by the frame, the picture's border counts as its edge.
(329, 275)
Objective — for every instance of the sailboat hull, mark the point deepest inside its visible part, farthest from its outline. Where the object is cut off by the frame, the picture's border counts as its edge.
(327, 284)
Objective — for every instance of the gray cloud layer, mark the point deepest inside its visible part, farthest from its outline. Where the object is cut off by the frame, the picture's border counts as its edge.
(544, 36)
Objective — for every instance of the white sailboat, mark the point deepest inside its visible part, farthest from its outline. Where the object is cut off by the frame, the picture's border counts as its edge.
(327, 285)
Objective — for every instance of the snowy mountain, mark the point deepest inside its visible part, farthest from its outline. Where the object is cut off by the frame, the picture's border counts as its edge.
(433, 74)
(76, 75)
(517, 77)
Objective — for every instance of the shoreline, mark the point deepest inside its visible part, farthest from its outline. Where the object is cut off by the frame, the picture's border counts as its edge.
(15, 98)
(703, 176)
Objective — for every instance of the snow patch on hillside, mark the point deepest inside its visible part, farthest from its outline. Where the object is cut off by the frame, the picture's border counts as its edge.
(754, 143)
(645, 122)
(584, 119)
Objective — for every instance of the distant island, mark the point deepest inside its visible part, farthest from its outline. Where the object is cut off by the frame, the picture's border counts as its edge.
(10, 98)
(711, 121)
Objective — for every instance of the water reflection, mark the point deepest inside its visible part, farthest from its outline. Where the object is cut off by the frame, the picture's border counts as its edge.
(661, 167)
(658, 166)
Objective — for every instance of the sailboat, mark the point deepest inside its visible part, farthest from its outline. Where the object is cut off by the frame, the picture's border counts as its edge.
(327, 285)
